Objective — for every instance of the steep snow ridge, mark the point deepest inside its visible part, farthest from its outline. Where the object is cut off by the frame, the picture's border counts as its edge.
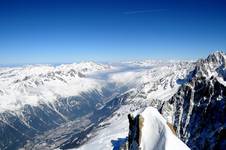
(34, 84)
(156, 135)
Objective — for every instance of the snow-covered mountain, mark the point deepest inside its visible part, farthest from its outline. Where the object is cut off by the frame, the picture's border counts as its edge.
(85, 105)
(43, 83)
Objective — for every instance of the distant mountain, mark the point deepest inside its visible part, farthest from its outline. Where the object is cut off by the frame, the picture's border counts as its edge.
(44, 83)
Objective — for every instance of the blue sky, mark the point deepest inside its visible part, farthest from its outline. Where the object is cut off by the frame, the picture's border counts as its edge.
(64, 31)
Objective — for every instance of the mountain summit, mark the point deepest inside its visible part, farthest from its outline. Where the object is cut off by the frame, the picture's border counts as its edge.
(212, 65)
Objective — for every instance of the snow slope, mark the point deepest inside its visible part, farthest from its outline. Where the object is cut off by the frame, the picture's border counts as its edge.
(156, 133)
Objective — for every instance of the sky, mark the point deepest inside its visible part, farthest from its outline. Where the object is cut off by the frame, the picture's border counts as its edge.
(65, 31)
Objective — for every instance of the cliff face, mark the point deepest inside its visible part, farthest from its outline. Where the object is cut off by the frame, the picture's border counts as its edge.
(200, 114)
(199, 107)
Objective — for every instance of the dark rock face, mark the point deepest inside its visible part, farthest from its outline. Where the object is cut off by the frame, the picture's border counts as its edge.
(200, 114)
(199, 106)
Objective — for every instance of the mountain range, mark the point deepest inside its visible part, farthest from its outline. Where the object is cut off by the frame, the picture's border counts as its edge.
(85, 105)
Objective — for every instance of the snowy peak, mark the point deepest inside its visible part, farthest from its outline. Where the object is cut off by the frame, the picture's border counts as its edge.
(83, 67)
(48, 70)
(217, 57)
(211, 66)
